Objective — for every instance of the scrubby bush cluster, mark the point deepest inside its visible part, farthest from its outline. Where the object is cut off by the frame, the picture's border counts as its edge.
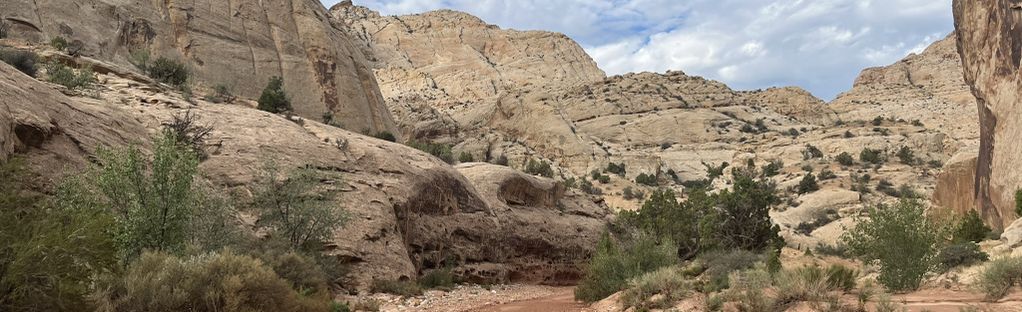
(646, 179)
(438, 150)
(24, 61)
(71, 78)
(142, 232)
(540, 168)
(274, 99)
(618, 169)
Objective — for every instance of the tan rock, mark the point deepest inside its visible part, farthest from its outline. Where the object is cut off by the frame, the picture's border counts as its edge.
(240, 44)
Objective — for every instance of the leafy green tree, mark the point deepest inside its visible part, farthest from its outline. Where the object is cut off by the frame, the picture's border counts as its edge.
(663, 217)
(153, 200)
(906, 155)
(900, 239)
(741, 219)
(274, 99)
(294, 211)
(971, 229)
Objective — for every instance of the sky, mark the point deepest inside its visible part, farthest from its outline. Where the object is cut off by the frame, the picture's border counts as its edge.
(820, 45)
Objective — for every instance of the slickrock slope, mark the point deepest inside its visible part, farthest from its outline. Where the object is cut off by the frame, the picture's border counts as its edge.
(928, 87)
(990, 45)
(409, 211)
(240, 44)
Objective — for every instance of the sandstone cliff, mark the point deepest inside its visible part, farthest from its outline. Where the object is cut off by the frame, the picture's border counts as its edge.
(410, 212)
(990, 45)
(240, 44)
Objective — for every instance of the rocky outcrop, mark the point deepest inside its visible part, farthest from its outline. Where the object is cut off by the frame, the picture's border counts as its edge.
(991, 48)
(240, 44)
(409, 211)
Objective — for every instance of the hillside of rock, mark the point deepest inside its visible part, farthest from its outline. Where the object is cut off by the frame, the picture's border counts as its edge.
(238, 44)
(409, 212)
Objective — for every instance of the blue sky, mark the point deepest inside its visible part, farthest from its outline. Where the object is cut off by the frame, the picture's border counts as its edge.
(820, 45)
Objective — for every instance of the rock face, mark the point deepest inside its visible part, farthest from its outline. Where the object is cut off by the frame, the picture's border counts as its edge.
(991, 48)
(410, 212)
(240, 44)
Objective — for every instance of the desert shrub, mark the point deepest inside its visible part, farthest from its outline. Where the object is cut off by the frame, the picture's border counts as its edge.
(806, 228)
(793, 132)
(140, 58)
(540, 168)
(24, 61)
(438, 279)
(999, 276)
(808, 168)
(720, 264)
(813, 283)
(189, 133)
(614, 263)
(899, 238)
(49, 250)
(274, 99)
(570, 183)
(293, 209)
(604, 179)
(960, 254)
(646, 179)
(388, 136)
(848, 134)
(808, 184)
(877, 121)
(845, 159)
(971, 229)
(714, 172)
(871, 156)
(438, 150)
(400, 288)
(618, 169)
(209, 282)
(500, 160)
(842, 278)
(837, 250)
(659, 289)
(72, 79)
(741, 218)
(168, 71)
(773, 168)
(827, 174)
(588, 188)
(906, 155)
(59, 43)
(301, 272)
(663, 217)
(1018, 203)
(811, 152)
(747, 290)
(222, 94)
(465, 157)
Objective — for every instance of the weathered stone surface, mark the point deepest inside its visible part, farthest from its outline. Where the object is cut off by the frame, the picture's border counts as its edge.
(990, 45)
(410, 212)
(240, 44)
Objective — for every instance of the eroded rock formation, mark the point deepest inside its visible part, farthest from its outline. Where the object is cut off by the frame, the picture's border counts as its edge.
(990, 44)
(240, 44)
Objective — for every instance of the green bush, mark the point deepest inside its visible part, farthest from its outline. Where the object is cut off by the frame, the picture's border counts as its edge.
(604, 179)
(400, 288)
(618, 169)
(210, 282)
(1018, 203)
(871, 156)
(906, 155)
(960, 254)
(438, 279)
(58, 43)
(999, 276)
(439, 150)
(646, 179)
(773, 168)
(827, 174)
(24, 61)
(388, 136)
(900, 239)
(748, 290)
(49, 250)
(971, 229)
(614, 263)
(720, 264)
(588, 188)
(540, 168)
(741, 216)
(663, 217)
(72, 79)
(811, 152)
(274, 99)
(168, 71)
(808, 184)
(878, 121)
(221, 94)
(813, 283)
(845, 159)
(293, 209)
(302, 273)
(659, 289)
(465, 157)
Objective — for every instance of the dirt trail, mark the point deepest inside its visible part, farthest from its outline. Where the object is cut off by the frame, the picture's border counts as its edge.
(562, 300)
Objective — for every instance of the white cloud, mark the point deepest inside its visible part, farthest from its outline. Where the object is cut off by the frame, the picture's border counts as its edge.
(820, 45)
